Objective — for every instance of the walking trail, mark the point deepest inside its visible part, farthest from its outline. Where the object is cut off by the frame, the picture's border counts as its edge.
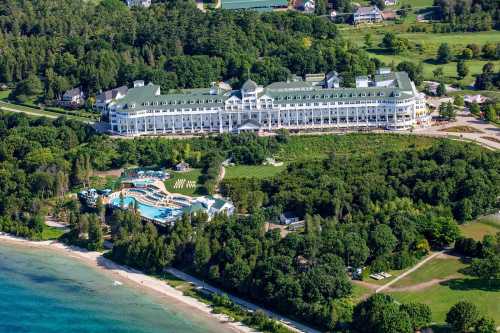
(411, 270)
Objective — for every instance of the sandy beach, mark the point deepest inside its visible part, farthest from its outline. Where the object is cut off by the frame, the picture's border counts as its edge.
(135, 279)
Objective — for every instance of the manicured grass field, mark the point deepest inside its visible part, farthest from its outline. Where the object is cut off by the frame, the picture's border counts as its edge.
(320, 147)
(485, 225)
(442, 297)
(253, 171)
(192, 175)
(436, 268)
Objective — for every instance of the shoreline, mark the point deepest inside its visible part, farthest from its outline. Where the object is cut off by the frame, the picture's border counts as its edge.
(135, 279)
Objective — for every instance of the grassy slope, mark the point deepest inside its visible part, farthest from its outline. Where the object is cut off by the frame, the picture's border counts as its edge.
(479, 228)
(429, 43)
(319, 147)
(435, 269)
(442, 296)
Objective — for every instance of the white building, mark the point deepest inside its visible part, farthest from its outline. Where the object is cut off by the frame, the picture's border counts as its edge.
(388, 101)
(138, 3)
(367, 15)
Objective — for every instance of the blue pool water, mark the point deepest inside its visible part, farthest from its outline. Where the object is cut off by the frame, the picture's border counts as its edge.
(42, 291)
(156, 213)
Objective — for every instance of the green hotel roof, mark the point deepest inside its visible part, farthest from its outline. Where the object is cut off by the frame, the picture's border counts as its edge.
(253, 4)
(144, 98)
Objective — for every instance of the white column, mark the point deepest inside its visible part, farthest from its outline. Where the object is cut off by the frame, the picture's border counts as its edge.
(164, 125)
(220, 122)
(173, 124)
(182, 123)
(269, 119)
(230, 122)
(192, 124)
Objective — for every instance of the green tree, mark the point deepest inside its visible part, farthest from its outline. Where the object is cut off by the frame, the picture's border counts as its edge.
(420, 314)
(490, 113)
(485, 325)
(458, 100)
(441, 89)
(438, 73)
(462, 69)
(383, 240)
(368, 40)
(462, 316)
(443, 54)
(27, 89)
(96, 239)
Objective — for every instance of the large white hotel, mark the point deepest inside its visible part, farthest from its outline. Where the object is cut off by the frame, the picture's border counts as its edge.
(387, 100)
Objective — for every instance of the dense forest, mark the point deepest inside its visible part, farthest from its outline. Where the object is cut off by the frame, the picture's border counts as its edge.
(42, 159)
(475, 15)
(78, 43)
(383, 209)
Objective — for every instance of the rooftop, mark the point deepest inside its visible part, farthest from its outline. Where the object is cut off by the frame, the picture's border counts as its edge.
(148, 97)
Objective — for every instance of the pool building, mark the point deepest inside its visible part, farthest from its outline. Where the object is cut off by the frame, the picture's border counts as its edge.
(155, 204)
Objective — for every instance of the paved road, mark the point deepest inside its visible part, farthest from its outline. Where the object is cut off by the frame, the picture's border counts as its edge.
(411, 270)
(484, 128)
(289, 323)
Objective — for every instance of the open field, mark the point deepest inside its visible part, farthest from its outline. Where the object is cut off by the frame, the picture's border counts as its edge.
(483, 226)
(443, 296)
(190, 176)
(437, 268)
(253, 171)
(425, 47)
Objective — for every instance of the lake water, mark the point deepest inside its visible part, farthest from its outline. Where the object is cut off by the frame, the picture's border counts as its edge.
(42, 291)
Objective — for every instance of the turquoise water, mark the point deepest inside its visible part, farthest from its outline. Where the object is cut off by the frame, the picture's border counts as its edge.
(42, 291)
(161, 214)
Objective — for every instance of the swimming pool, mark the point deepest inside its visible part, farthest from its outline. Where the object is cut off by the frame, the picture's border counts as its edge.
(161, 214)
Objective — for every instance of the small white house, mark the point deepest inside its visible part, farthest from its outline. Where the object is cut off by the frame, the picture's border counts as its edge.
(72, 98)
(367, 15)
(138, 3)
(288, 218)
(182, 166)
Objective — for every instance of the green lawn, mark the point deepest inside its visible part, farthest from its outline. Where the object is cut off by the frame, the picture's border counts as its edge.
(4, 94)
(192, 175)
(477, 229)
(253, 171)
(50, 233)
(443, 296)
(358, 292)
(435, 269)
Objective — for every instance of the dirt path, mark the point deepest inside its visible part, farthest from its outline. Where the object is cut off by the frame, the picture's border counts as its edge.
(423, 285)
(413, 269)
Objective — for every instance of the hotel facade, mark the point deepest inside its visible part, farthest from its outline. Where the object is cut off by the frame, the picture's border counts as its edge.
(387, 100)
